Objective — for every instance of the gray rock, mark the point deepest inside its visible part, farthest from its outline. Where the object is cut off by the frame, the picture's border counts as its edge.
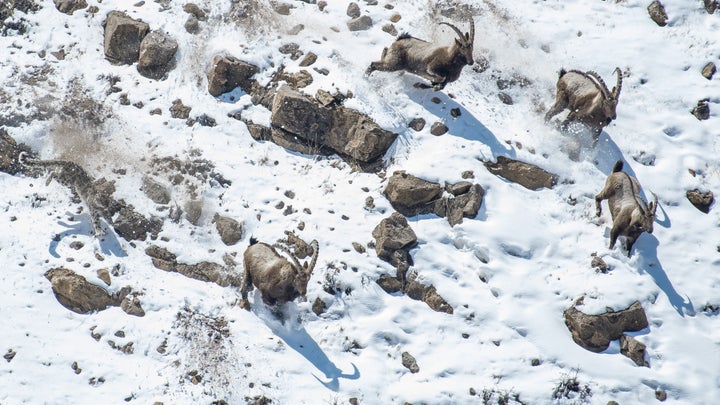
(411, 195)
(131, 306)
(193, 211)
(195, 11)
(393, 234)
(417, 124)
(595, 332)
(70, 6)
(525, 174)
(390, 29)
(123, 36)
(461, 206)
(634, 350)
(156, 191)
(361, 23)
(223, 276)
(308, 60)
(132, 225)
(179, 110)
(711, 6)
(702, 110)
(192, 25)
(353, 10)
(709, 70)
(657, 13)
(227, 73)
(8, 153)
(389, 284)
(408, 361)
(229, 229)
(438, 128)
(77, 294)
(701, 200)
(157, 52)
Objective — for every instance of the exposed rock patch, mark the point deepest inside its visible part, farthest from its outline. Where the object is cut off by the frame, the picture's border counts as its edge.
(223, 276)
(527, 175)
(702, 110)
(157, 53)
(227, 73)
(634, 350)
(657, 13)
(123, 36)
(409, 362)
(77, 294)
(595, 332)
(70, 6)
(701, 200)
(229, 229)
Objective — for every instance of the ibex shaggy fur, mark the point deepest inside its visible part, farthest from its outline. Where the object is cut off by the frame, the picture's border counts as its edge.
(278, 279)
(630, 214)
(588, 99)
(439, 64)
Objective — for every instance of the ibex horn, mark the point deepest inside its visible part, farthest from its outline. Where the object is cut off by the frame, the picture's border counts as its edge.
(601, 83)
(458, 32)
(618, 86)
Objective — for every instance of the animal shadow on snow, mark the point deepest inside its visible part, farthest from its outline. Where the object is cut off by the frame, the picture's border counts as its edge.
(282, 320)
(465, 125)
(109, 244)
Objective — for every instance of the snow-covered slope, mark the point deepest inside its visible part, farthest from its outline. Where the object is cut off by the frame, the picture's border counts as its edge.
(509, 273)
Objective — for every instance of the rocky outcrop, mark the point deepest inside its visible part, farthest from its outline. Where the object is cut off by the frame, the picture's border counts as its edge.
(223, 276)
(123, 36)
(301, 123)
(227, 73)
(412, 196)
(229, 229)
(8, 153)
(701, 200)
(132, 225)
(393, 234)
(657, 13)
(527, 175)
(595, 332)
(77, 294)
(157, 53)
(634, 350)
(70, 6)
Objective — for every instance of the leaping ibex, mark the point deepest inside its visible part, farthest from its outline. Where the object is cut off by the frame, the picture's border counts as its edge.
(439, 64)
(630, 214)
(588, 99)
(278, 279)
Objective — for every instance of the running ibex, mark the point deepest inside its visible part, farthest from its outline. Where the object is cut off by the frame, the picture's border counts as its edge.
(278, 279)
(630, 214)
(588, 99)
(439, 64)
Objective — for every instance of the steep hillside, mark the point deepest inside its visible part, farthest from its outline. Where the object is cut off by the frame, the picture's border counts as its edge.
(164, 322)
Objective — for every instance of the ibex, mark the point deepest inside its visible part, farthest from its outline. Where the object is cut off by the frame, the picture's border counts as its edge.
(439, 64)
(278, 279)
(588, 99)
(630, 214)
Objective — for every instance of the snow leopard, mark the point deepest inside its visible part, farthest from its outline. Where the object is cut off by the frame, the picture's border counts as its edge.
(99, 201)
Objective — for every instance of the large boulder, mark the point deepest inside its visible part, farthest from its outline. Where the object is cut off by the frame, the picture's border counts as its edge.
(527, 175)
(123, 36)
(393, 234)
(462, 205)
(227, 73)
(595, 332)
(347, 132)
(156, 57)
(77, 294)
(229, 229)
(411, 195)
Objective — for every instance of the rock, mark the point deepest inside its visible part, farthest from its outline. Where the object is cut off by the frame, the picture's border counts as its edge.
(229, 229)
(634, 350)
(282, 8)
(709, 70)
(389, 284)
(458, 188)
(10, 355)
(702, 110)
(296, 29)
(195, 11)
(436, 302)
(75, 293)
(525, 174)
(308, 60)
(353, 10)
(595, 332)
(104, 275)
(157, 53)
(411, 195)
(408, 361)
(193, 211)
(321, 5)
(227, 73)
(70, 6)
(661, 395)
(8, 153)
(598, 264)
(299, 121)
(657, 13)
(711, 6)
(438, 128)
(204, 271)
(123, 36)
(417, 124)
(297, 80)
(156, 191)
(396, 17)
(179, 110)
(131, 306)
(192, 25)
(132, 225)
(361, 23)
(461, 206)
(701, 200)
(505, 98)
(319, 306)
(390, 29)
(393, 234)
(292, 49)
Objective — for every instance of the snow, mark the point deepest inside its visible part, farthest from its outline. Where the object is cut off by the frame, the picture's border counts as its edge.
(509, 273)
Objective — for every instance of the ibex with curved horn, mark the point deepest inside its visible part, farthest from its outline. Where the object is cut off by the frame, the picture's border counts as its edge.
(278, 279)
(439, 64)
(588, 99)
(630, 214)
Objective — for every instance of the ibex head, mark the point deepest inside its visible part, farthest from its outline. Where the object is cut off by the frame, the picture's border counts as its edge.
(610, 98)
(465, 42)
(304, 271)
(644, 217)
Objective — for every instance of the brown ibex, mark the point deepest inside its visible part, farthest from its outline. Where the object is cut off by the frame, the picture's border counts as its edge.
(630, 214)
(588, 99)
(278, 279)
(439, 64)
